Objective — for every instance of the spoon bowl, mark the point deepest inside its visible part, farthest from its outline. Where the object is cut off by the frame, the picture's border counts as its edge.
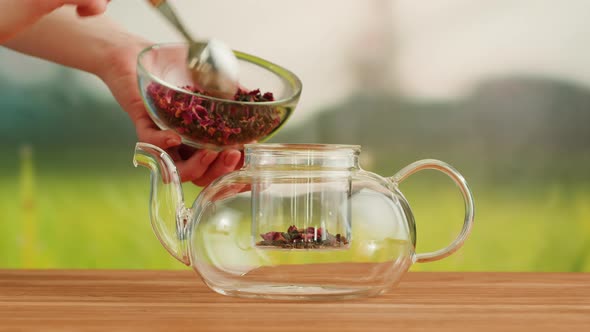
(214, 68)
(213, 65)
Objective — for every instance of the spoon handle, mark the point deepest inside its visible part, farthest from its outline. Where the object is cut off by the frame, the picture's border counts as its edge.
(164, 8)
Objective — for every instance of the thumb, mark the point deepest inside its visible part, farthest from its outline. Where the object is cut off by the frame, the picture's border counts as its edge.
(148, 132)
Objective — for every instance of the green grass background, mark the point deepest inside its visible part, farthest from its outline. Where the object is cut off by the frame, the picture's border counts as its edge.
(76, 201)
(96, 216)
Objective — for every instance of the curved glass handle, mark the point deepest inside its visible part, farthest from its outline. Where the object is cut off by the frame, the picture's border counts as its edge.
(438, 165)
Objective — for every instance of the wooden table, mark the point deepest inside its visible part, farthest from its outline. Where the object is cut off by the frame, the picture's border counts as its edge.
(98, 300)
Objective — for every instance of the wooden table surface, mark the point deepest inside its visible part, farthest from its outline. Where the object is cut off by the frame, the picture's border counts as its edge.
(98, 300)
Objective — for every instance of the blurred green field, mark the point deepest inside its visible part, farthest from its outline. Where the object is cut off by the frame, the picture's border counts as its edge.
(98, 218)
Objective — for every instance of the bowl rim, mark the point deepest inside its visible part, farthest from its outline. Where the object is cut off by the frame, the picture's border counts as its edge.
(280, 71)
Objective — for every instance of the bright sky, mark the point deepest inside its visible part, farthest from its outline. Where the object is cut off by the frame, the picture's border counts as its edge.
(442, 47)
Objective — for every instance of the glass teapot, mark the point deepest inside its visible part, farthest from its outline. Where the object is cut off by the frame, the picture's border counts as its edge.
(297, 221)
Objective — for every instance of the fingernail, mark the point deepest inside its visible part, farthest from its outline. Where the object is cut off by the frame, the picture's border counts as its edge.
(173, 141)
(232, 158)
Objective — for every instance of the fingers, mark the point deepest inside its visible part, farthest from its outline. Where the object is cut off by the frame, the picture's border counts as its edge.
(89, 7)
(196, 166)
(200, 167)
(241, 162)
(226, 162)
(148, 132)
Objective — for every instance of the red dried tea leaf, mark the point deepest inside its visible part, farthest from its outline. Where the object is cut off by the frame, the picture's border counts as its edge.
(268, 236)
(308, 238)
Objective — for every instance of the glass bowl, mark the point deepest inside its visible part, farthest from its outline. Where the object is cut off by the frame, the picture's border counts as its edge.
(209, 122)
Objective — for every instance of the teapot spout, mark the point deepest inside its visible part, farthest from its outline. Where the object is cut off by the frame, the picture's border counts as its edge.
(168, 213)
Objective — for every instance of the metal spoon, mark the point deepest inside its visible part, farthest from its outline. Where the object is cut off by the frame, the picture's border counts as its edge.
(213, 65)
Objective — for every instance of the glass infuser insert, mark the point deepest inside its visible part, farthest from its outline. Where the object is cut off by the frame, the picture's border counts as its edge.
(304, 212)
(301, 196)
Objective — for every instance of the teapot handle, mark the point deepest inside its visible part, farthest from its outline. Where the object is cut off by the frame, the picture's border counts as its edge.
(438, 165)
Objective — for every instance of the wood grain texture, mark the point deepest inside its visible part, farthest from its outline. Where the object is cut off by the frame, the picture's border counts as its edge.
(98, 300)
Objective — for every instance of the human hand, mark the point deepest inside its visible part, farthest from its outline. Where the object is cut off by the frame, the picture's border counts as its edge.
(17, 15)
(110, 53)
(201, 167)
